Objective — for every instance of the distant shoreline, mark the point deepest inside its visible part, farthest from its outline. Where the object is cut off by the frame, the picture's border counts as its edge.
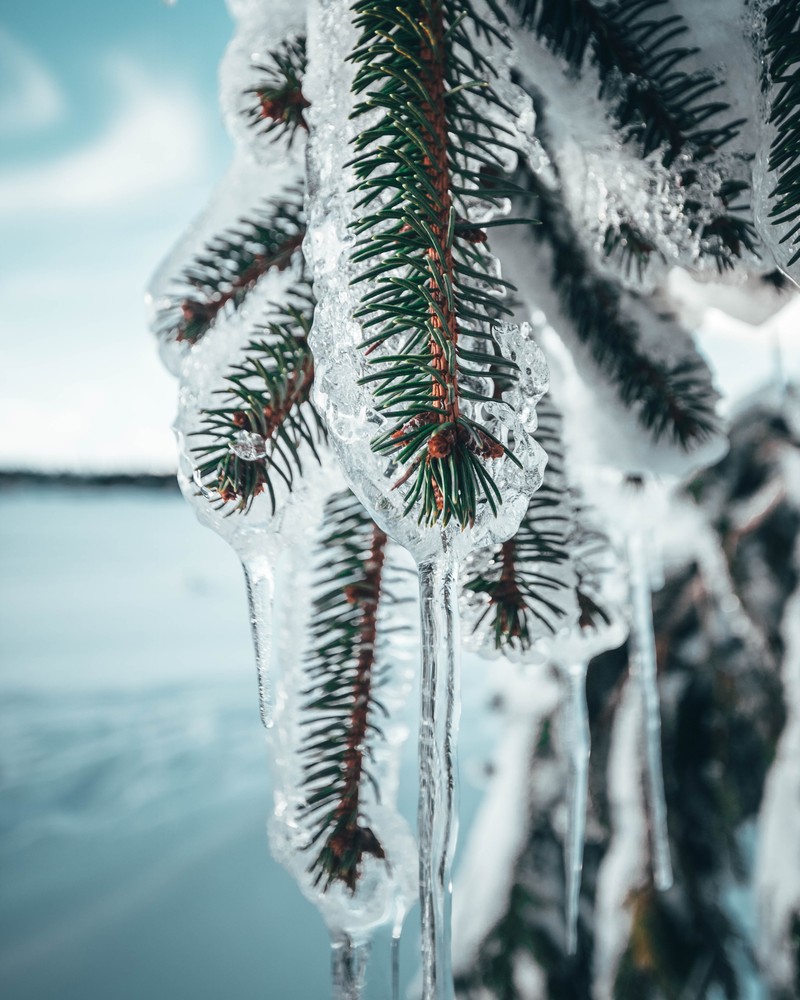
(16, 478)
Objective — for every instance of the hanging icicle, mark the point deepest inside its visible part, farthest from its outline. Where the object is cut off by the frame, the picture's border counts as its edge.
(644, 668)
(260, 583)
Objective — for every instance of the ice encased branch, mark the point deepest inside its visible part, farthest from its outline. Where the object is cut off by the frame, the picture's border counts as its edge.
(348, 406)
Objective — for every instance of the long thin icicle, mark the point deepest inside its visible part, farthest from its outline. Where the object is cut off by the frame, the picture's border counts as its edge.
(643, 662)
(395, 960)
(578, 735)
(348, 966)
(439, 716)
(260, 599)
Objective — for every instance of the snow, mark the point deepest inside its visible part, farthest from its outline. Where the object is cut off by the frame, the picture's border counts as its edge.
(499, 833)
(624, 866)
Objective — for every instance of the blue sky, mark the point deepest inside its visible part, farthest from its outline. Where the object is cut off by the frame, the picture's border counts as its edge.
(110, 141)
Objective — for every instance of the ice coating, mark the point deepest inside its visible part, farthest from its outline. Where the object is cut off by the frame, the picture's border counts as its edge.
(260, 29)
(608, 186)
(600, 432)
(537, 558)
(348, 407)
(353, 421)
(245, 186)
(578, 742)
(643, 660)
(386, 888)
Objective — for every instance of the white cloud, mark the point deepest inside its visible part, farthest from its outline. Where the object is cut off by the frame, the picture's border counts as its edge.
(156, 141)
(32, 98)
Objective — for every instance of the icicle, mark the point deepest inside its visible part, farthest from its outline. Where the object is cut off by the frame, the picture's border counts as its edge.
(397, 932)
(348, 966)
(643, 660)
(439, 715)
(577, 724)
(260, 597)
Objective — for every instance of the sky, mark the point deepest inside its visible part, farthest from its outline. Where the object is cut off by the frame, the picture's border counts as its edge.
(111, 141)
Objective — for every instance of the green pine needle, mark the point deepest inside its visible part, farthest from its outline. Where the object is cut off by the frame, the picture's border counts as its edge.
(277, 106)
(341, 713)
(675, 401)
(429, 315)
(219, 279)
(641, 58)
(266, 395)
(525, 582)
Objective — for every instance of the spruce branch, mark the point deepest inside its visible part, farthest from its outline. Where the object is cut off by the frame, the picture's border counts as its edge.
(276, 103)
(659, 105)
(221, 276)
(672, 401)
(641, 59)
(435, 294)
(255, 437)
(783, 70)
(524, 580)
(341, 704)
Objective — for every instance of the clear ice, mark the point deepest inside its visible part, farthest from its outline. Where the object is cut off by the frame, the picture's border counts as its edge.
(438, 734)
(260, 598)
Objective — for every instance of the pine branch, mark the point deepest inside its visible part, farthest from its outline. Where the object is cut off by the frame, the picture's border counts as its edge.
(220, 278)
(641, 59)
(255, 437)
(278, 105)
(724, 234)
(673, 401)
(527, 579)
(783, 69)
(339, 713)
(435, 293)
(657, 103)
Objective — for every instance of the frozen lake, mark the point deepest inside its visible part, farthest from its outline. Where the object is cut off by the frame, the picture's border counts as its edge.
(133, 786)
